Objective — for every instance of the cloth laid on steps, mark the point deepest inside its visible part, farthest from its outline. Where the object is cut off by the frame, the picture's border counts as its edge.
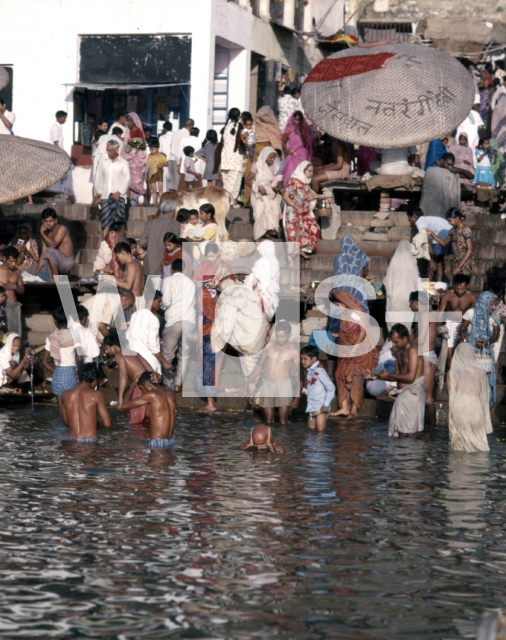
(408, 412)
(390, 182)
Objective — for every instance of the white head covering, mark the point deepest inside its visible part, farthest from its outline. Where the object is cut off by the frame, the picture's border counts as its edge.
(6, 352)
(265, 275)
(299, 174)
(265, 172)
(400, 280)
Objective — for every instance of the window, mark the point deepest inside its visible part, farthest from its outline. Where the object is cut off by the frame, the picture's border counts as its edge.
(389, 30)
(277, 10)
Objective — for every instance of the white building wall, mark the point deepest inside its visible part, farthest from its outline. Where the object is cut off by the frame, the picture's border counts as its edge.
(40, 38)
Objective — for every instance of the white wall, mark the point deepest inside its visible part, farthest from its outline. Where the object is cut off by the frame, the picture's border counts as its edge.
(41, 39)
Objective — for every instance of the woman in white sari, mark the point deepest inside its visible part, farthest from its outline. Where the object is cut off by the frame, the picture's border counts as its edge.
(400, 280)
(264, 199)
(469, 419)
(264, 278)
(12, 367)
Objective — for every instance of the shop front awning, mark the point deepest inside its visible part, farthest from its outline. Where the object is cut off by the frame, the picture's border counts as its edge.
(103, 87)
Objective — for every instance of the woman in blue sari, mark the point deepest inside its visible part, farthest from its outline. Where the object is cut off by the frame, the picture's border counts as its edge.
(485, 332)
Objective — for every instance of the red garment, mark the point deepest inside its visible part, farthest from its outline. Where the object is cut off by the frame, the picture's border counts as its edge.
(168, 258)
(301, 227)
(205, 273)
(351, 372)
(140, 414)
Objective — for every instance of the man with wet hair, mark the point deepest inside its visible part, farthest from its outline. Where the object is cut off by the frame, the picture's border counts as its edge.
(130, 366)
(162, 409)
(281, 361)
(408, 412)
(457, 299)
(83, 407)
(260, 439)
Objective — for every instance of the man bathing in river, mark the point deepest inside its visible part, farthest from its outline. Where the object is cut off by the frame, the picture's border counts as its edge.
(281, 360)
(424, 333)
(82, 407)
(457, 299)
(260, 439)
(130, 366)
(408, 412)
(162, 408)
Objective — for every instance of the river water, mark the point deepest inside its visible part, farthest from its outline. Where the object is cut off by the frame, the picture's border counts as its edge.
(350, 534)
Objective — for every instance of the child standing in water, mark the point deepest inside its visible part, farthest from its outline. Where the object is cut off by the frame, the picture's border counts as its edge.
(320, 389)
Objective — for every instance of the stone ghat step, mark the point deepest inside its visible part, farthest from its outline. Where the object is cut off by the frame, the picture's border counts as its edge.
(400, 219)
(326, 263)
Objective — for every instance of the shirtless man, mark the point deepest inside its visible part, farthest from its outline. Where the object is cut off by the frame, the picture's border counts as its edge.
(161, 407)
(426, 336)
(132, 278)
(338, 170)
(280, 359)
(130, 366)
(10, 280)
(457, 299)
(408, 412)
(57, 255)
(260, 439)
(83, 407)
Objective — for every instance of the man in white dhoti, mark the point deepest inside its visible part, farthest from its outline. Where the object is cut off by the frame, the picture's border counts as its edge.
(143, 335)
(408, 412)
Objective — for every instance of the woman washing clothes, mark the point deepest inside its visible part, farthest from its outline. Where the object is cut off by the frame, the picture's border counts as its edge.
(12, 366)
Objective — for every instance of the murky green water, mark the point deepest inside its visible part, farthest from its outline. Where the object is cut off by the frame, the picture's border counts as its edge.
(348, 535)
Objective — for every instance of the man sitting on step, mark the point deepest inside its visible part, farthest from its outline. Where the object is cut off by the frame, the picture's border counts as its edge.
(57, 255)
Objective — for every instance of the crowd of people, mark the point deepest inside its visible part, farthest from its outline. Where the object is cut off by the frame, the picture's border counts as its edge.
(278, 165)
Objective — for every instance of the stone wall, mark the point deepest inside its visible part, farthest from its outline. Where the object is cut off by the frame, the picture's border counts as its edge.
(418, 9)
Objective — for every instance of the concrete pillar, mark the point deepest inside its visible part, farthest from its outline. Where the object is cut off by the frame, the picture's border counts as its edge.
(289, 14)
(308, 17)
(243, 3)
(265, 9)
(239, 79)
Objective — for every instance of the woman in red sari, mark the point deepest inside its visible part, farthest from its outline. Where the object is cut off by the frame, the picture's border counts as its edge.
(300, 222)
(208, 275)
(351, 372)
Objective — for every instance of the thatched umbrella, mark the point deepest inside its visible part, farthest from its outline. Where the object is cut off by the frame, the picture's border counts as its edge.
(4, 77)
(388, 95)
(28, 166)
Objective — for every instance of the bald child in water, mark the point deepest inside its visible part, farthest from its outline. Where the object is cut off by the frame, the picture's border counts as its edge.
(260, 439)
(83, 407)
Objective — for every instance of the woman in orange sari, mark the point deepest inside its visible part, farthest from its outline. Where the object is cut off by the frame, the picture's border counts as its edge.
(351, 372)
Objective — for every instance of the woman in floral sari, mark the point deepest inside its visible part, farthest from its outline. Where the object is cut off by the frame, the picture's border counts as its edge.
(134, 152)
(351, 372)
(298, 139)
(300, 222)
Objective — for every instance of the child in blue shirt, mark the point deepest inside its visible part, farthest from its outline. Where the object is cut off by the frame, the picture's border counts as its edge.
(320, 388)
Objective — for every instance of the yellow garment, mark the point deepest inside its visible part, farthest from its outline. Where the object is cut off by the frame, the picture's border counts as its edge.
(153, 160)
(420, 245)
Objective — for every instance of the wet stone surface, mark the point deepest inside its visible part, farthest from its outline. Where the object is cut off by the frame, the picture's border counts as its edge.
(348, 535)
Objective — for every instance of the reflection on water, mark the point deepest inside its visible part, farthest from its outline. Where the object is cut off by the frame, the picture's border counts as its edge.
(350, 534)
